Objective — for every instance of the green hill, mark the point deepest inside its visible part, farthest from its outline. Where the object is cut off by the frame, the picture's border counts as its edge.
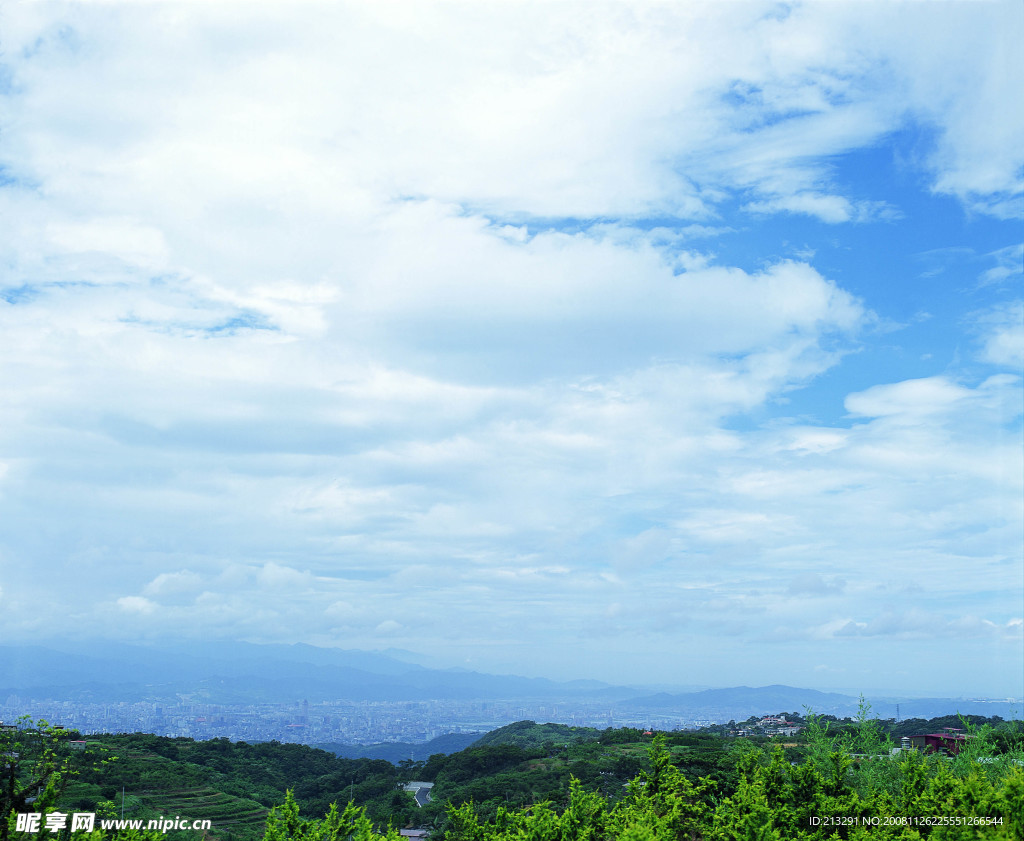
(233, 784)
(529, 734)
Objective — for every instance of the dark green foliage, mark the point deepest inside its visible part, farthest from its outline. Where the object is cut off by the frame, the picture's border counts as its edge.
(476, 762)
(284, 824)
(620, 736)
(233, 784)
(915, 726)
(258, 772)
(775, 801)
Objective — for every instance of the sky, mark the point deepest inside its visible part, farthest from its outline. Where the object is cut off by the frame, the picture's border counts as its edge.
(654, 343)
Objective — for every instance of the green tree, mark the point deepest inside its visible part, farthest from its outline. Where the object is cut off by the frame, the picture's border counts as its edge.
(866, 736)
(284, 824)
(36, 766)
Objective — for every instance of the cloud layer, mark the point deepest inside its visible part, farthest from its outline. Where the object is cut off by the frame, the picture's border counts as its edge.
(500, 332)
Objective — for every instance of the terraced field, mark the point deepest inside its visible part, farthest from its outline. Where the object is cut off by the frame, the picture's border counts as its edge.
(225, 812)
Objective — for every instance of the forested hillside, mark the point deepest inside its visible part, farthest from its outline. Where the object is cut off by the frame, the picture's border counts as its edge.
(544, 781)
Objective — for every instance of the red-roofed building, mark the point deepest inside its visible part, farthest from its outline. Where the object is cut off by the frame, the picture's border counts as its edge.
(951, 742)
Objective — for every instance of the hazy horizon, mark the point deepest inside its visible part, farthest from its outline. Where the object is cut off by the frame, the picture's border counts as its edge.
(673, 344)
(29, 666)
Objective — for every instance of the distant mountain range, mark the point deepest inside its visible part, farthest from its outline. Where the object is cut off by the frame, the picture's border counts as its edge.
(245, 673)
(745, 701)
(741, 702)
(239, 673)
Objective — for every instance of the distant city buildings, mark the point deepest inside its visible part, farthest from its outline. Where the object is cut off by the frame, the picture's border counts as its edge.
(769, 725)
(345, 722)
(373, 722)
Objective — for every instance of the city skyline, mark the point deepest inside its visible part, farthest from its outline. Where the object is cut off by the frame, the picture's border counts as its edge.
(638, 342)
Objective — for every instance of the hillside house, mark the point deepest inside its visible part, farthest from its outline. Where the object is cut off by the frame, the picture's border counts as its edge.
(950, 742)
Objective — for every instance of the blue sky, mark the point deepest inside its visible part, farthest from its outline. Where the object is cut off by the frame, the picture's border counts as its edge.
(653, 343)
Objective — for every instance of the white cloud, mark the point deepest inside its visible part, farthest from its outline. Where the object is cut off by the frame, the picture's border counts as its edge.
(611, 110)
(173, 583)
(909, 399)
(136, 604)
(1002, 333)
(1009, 264)
(917, 623)
(119, 238)
(277, 578)
(388, 626)
(831, 209)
